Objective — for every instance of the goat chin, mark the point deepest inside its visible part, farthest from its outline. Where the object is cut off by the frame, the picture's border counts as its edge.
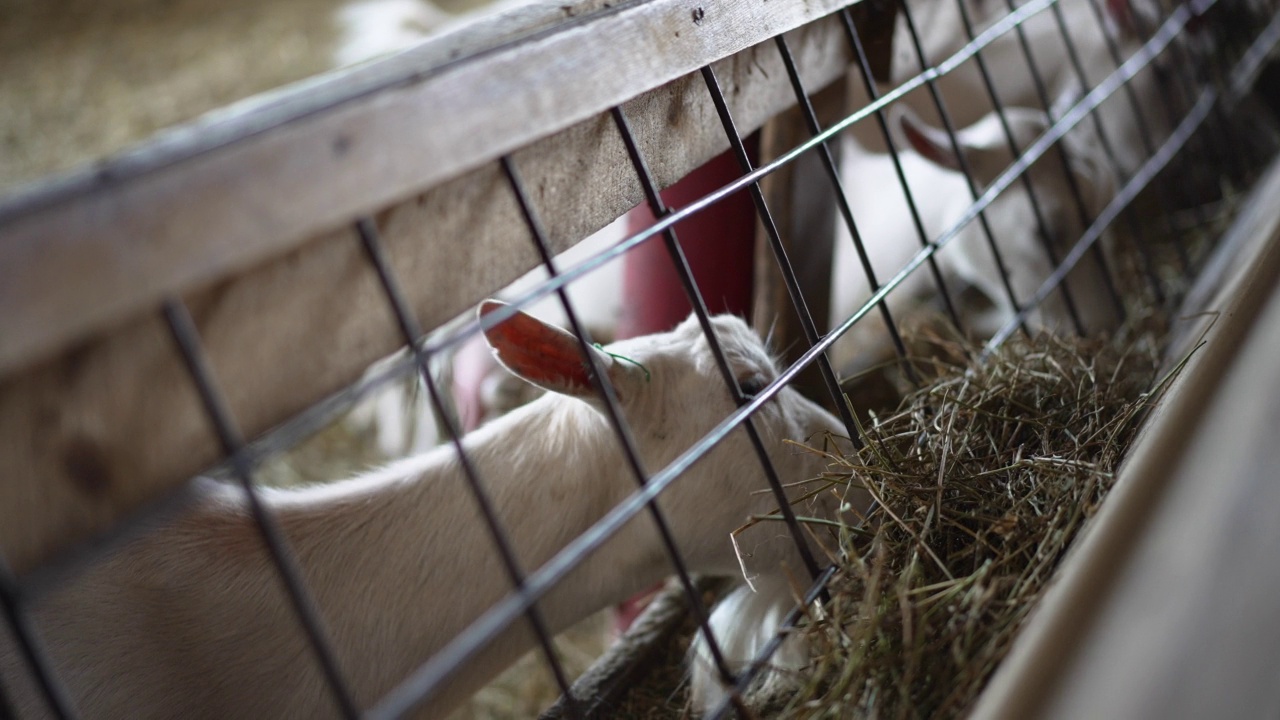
(743, 623)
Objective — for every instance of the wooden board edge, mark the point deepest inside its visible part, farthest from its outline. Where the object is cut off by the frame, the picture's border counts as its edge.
(123, 239)
(1045, 647)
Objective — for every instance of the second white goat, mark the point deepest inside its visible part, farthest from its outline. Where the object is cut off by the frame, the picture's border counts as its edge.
(942, 197)
(750, 616)
(1089, 31)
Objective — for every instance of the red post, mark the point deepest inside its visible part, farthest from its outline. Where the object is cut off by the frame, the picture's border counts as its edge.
(719, 245)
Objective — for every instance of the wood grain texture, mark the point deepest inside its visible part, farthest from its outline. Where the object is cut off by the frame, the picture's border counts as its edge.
(112, 422)
(635, 661)
(108, 243)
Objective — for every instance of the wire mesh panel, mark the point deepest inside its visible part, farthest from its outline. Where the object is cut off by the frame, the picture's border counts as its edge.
(1017, 193)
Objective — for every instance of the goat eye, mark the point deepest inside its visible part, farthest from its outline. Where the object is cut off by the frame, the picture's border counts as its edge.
(753, 385)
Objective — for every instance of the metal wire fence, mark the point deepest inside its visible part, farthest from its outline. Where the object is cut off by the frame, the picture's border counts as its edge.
(1210, 86)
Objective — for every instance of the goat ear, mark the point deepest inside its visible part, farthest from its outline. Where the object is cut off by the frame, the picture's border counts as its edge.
(1122, 14)
(986, 160)
(1099, 187)
(542, 354)
(931, 143)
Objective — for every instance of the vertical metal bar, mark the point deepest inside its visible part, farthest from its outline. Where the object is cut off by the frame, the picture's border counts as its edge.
(187, 338)
(1077, 66)
(1144, 130)
(758, 663)
(1220, 136)
(1237, 164)
(411, 333)
(1098, 256)
(1046, 237)
(949, 127)
(842, 204)
(1185, 74)
(1213, 142)
(29, 645)
(660, 209)
(441, 666)
(1186, 93)
(780, 254)
(868, 80)
(1140, 180)
(1073, 184)
(614, 415)
(1131, 220)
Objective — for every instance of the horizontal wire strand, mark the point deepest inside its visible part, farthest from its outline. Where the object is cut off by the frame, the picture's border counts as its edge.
(614, 416)
(1146, 173)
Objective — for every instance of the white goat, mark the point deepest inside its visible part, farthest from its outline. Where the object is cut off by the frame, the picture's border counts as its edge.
(942, 197)
(967, 99)
(190, 620)
(743, 622)
(748, 618)
(368, 29)
(372, 28)
(399, 415)
(482, 389)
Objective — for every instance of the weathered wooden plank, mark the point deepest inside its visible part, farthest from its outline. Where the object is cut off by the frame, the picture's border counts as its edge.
(632, 662)
(122, 235)
(93, 433)
(802, 199)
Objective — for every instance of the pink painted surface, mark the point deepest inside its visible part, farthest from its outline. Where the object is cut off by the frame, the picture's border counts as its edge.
(719, 244)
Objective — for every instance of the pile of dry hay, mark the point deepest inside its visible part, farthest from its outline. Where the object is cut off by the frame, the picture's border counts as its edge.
(982, 478)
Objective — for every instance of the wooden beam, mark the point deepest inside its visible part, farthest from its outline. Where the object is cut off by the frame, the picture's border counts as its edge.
(802, 202)
(234, 191)
(802, 199)
(635, 662)
(112, 421)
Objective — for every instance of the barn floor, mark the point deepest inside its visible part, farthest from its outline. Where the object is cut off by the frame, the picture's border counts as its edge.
(83, 79)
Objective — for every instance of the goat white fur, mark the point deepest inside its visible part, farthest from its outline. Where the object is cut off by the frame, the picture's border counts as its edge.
(190, 620)
(368, 29)
(372, 28)
(941, 31)
(942, 197)
(743, 622)
(748, 618)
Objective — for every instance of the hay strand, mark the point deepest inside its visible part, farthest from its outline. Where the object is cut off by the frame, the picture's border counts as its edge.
(982, 478)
